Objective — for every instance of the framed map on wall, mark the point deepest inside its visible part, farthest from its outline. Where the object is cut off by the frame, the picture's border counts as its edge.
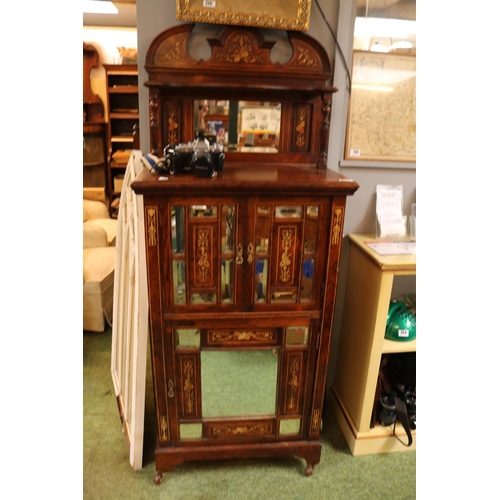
(381, 121)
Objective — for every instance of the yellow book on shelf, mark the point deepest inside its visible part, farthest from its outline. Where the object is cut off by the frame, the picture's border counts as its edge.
(122, 155)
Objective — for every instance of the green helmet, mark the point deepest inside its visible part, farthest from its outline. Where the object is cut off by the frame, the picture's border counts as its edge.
(401, 323)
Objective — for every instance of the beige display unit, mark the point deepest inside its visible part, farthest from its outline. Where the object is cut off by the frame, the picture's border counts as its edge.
(369, 285)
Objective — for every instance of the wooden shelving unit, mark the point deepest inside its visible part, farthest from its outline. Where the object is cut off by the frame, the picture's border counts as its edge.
(122, 92)
(369, 286)
(94, 130)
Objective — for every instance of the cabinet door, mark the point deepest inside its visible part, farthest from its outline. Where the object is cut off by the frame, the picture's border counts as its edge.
(202, 254)
(286, 250)
(239, 382)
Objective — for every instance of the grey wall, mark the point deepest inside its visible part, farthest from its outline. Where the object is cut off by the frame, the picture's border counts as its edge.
(154, 16)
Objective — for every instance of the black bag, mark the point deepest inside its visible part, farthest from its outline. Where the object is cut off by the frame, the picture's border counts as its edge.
(395, 394)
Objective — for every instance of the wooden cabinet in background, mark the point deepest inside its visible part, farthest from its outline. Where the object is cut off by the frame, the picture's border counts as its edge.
(370, 282)
(122, 92)
(94, 128)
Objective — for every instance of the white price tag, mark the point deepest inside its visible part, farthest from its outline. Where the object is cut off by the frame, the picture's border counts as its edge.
(404, 333)
(209, 4)
(355, 152)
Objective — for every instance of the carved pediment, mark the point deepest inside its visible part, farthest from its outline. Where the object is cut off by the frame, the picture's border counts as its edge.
(237, 52)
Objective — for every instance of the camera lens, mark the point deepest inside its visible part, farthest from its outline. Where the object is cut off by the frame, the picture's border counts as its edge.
(386, 411)
(411, 408)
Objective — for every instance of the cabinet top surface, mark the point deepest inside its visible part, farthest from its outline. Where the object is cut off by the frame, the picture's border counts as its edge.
(242, 178)
(385, 262)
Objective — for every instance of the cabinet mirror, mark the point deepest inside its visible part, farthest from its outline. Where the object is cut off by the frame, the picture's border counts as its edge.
(241, 126)
(235, 383)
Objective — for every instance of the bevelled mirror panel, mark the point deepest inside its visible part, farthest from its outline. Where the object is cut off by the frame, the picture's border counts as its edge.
(241, 126)
(235, 383)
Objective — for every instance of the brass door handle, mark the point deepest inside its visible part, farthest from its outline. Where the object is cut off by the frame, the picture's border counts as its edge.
(239, 255)
(250, 253)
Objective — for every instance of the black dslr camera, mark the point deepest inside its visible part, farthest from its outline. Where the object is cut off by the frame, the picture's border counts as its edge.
(198, 157)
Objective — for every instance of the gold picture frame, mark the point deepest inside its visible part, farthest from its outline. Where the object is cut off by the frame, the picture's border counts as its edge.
(291, 15)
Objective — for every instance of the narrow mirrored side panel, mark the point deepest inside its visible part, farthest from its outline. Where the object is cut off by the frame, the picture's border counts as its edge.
(306, 291)
(311, 229)
(177, 229)
(261, 273)
(179, 282)
(228, 229)
(263, 229)
(227, 280)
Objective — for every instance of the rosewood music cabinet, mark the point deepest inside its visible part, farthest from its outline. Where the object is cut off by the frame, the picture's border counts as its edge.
(242, 267)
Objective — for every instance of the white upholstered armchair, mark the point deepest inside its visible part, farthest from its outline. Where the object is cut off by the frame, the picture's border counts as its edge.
(98, 266)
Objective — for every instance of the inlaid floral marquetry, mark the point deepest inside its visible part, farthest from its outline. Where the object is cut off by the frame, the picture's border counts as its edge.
(286, 259)
(241, 49)
(315, 421)
(239, 46)
(293, 383)
(337, 225)
(152, 219)
(171, 390)
(218, 337)
(301, 128)
(305, 57)
(240, 429)
(188, 385)
(173, 51)
(163, 428)
(173, 124)
(203, 264)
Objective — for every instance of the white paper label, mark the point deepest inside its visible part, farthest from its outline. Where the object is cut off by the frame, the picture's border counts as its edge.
(355, 152)
(392, 227)
(209, 4)
(404, 333)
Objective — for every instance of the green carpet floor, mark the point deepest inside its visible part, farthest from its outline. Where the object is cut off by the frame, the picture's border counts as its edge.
(107, 474)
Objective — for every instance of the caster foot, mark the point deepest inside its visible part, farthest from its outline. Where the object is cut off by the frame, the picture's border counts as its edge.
(158, 478)
(309, 470)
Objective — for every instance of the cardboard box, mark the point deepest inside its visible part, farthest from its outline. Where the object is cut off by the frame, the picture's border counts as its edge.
(118, 183)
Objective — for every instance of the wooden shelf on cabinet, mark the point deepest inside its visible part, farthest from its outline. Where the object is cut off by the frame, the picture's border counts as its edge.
(376, 440)
(393, 347)
(369, 285)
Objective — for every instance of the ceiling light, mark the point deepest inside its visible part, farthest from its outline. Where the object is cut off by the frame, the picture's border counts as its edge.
(99, 7)
(390, 28)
